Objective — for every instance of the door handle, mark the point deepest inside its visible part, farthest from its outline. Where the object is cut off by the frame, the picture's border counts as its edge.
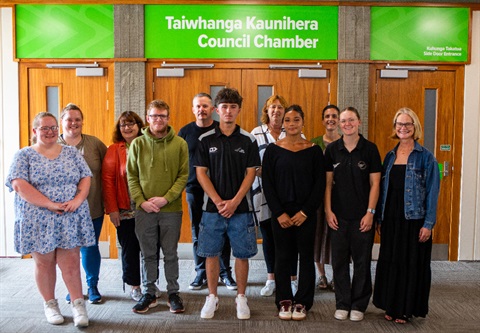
(446, 168)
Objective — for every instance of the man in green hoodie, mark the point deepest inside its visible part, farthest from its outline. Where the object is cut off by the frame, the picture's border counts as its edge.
(157, 171)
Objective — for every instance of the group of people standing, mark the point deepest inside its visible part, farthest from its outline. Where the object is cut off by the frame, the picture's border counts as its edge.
(316, 202)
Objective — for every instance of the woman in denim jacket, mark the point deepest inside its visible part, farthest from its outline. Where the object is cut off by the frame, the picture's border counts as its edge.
(407, 212)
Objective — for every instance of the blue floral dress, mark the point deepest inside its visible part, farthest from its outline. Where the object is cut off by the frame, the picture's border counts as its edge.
(38, 229)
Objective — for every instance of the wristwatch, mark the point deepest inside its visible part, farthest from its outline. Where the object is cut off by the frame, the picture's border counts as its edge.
(371, 210)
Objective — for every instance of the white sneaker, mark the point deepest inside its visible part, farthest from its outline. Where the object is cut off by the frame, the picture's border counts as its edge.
(269, 288)
(80, 317)
(341, 314)
(243, 311)
(294, 285)
(210, 306)
(136, 294)
(52, 312)
(356, 315)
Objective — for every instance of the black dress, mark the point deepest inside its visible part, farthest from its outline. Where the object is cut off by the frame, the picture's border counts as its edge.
(403, 277)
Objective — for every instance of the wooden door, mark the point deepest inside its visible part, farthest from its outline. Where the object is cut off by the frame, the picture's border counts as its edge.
(433, 95)
(178, 93)
(312, 94)
(50, 89)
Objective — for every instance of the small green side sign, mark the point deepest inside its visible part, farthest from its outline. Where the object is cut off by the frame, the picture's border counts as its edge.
(419, 33)
(64, 31)
(241, 31)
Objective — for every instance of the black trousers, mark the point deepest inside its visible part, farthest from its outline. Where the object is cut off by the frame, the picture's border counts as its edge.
(349, 243)
(130, 252)
(290, 244)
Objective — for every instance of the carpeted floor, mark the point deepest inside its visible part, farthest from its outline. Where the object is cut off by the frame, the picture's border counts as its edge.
(454, 305)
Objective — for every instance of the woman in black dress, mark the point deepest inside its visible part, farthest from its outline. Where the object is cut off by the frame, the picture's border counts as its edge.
(410, 175)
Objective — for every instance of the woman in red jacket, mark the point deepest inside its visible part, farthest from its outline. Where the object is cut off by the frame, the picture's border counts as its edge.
(118, 204)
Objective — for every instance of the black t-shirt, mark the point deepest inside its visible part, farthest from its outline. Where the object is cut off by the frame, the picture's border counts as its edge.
(227, 159)
(351, 176)
(190, 133)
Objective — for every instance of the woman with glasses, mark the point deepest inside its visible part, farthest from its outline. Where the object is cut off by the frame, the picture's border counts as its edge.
(93, 151)
(52, 219)
(118, 204)
(407, 212)
(353, 186)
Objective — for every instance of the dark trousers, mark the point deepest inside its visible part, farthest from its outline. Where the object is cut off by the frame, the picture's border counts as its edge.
(291, 243)
(195, 203)
(130, 252)
(348, 242)
(268, 246)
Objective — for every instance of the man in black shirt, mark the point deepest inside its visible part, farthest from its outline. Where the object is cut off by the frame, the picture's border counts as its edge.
(226, 160)
(202, 109)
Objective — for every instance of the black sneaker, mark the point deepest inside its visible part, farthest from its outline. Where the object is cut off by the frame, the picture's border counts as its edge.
(198, 283)
(146, 302)
(175, 303)
(229, 282)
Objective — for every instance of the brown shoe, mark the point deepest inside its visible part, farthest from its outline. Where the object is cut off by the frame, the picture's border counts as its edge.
(285, 312)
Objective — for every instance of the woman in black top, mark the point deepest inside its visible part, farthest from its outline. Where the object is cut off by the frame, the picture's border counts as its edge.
(353, 184)
(294, 182)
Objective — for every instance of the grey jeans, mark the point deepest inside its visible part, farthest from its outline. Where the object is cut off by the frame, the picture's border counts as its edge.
(157, 231)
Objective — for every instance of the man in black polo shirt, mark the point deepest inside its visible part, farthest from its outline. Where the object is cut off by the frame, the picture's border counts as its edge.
(202, 109)
(226, 160)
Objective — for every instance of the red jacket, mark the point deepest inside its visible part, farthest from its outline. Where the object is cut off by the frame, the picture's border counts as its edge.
(114, 178)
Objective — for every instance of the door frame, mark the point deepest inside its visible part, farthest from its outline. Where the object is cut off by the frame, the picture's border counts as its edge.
(457, 142)
(108, 233)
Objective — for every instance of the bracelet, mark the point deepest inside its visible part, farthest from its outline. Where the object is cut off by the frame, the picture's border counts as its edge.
(304, 215)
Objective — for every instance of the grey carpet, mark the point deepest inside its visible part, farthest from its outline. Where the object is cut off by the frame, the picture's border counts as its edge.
(454, 305)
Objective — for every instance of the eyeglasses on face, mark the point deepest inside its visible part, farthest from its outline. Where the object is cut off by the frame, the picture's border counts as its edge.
(158, 116)
(45, 129)
(406, 125)
(124, 125)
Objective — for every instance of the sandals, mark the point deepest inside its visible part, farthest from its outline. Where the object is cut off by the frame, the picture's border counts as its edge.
(402, 320)
(322, 283)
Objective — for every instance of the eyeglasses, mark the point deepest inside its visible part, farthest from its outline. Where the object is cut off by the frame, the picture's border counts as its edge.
(127, 125)
(406, 125)
(45, 129)
(157, 116)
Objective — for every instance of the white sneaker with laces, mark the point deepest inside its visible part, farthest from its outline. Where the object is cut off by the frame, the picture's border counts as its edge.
(243, 311)
(52, 312)
(80, 317)
(294, 285)
(269, 288)
(210, 306)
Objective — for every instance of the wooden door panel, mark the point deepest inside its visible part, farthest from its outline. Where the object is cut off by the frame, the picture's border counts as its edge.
(393, 94)
(311, 94)
(91, 95)
(178, 93)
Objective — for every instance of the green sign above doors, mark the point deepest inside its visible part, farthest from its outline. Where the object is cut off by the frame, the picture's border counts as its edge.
(241, 32)
(419, 34)
(64, 31)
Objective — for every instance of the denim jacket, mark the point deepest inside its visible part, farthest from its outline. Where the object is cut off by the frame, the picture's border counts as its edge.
(422, 185)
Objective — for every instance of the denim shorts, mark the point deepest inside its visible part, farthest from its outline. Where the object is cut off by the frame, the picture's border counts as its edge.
(240, 230)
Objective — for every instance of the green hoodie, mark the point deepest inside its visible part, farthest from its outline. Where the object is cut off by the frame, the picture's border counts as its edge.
(158, 168)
